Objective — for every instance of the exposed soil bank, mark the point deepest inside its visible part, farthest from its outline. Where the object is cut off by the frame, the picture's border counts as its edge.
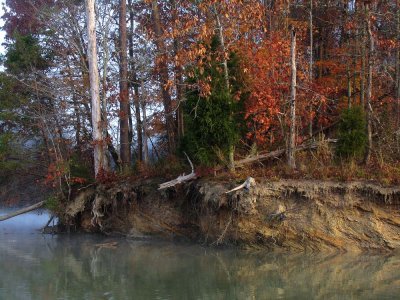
(283, 215)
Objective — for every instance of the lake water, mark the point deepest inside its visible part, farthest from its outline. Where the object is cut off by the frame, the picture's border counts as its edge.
(36, 266)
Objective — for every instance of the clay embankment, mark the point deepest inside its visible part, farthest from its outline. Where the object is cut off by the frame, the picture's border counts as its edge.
(283, 215)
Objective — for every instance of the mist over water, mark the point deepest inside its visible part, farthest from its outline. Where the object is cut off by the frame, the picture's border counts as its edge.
(76, 266)
(29, 223)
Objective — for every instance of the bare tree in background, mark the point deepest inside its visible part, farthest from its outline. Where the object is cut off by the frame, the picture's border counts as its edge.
(292, 134)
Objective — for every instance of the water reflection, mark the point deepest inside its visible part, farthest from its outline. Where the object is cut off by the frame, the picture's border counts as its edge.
(33, 266)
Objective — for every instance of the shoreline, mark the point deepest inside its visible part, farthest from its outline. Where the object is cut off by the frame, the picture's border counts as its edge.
(284, 215)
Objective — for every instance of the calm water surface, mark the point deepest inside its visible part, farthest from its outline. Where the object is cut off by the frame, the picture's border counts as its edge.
(36, 266)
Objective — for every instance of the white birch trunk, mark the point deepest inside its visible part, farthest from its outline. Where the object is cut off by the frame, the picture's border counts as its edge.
(98, 138)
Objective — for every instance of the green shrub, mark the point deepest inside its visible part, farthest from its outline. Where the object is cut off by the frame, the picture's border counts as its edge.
(214, 122)
(53, 204)
(352, 138)
(213, 126)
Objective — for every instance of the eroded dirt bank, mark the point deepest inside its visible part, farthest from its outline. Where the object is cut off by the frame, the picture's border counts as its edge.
(282, 215)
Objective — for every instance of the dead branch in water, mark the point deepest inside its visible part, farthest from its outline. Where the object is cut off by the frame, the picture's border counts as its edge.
(22, 211)
(180, 179)
(109, 245)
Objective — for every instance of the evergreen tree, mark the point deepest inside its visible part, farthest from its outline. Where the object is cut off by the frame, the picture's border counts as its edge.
(352, 137)
(214, 122)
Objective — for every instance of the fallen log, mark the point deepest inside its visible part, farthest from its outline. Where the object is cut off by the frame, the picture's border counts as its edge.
(275, 154)
(22, 211)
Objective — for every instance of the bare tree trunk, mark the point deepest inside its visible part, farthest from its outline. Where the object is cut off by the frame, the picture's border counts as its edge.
(311, 62)
(78, 122)
(178, 79)
(355, 57)
(164, 78)
(362, 73)
(398, 66)
(180, 100)
(292, 134)
(349, 95)
(135, 84)
(99, 145)
(231, 150)
(346, 38)
(145, 146)
(106, 59)
(123, 87)
(321, 55)
(369, 83)
(222, 40)
(268, 7)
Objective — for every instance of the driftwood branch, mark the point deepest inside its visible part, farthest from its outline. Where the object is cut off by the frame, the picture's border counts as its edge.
(179, 179)
(250, 181)
(22, 211)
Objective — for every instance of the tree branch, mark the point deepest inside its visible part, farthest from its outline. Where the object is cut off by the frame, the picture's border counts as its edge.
(22, 211)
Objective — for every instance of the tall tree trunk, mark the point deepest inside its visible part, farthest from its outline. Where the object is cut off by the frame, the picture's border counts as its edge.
(178, 78)
(355, 55)
(143, 104)
(135, 84)
(164, 78)
(99, 144)
(179, 95)
(268, 7)
(321, 57)
(224, 53)
(363, 60)
(123, 87)
(106, 58)
(349, 92)
(292, 134)
(78, 122)
(311, 74)
(231, 150)
(371, 51)
(398, 66)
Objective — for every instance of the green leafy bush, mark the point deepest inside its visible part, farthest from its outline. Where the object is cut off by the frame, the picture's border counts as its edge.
(352, 138)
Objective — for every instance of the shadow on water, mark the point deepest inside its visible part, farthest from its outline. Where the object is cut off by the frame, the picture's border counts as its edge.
(35, 266)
